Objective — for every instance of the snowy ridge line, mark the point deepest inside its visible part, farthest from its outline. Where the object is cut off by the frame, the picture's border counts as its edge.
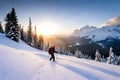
(79, 71)
(96, 68)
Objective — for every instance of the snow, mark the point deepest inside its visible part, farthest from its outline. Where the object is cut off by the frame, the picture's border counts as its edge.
(98, 34)
(21, 62)
(7, 42)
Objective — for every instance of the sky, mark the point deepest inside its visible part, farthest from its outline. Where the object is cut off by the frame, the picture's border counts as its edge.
(61, 16)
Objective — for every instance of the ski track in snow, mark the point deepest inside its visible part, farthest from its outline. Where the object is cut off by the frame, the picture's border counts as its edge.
(96, 68)
(80, 72)
(63, 63)
(89, 70)
(42, 70)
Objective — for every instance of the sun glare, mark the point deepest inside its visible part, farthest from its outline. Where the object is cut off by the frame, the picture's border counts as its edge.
(48, 27)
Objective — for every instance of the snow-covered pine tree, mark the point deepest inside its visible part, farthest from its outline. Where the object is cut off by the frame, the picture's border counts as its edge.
(58, 50)
(12, 28)
(8, 23)
(110, 59)
(118, 62)
(29, 32)
(85, 56)
(116, 58)
(1, 28)
(78, 53)
(63, 50)
(103, 59)
(47, 46)
(69, 53)
(97, 56)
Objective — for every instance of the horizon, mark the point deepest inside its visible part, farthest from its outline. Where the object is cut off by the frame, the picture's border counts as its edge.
(61, 16)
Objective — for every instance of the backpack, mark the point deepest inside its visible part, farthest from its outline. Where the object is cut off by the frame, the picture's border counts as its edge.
(50, 51)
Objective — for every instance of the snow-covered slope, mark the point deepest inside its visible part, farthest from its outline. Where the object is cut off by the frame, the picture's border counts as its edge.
(18, 63)
(7, 42)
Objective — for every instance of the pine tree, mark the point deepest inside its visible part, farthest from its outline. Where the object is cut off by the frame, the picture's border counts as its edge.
(40, 42)
(29, 33)
(69, 53)
(1, 28)
(103, 59)
(111, 56)
(8, 23)
(12, 28)
(47, 46)
(25, 34)
(22, 33)
(118, 62)
(35, 37)
(78, 53)
(63, 50)
(97, 56)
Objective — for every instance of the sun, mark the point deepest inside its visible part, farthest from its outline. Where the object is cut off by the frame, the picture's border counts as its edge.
(48, 27)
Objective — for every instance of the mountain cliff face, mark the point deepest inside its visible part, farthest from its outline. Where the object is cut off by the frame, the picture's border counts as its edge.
(98, 34)
(106, 36)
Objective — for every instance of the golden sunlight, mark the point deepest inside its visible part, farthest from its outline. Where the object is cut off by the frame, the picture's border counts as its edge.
(48, 27)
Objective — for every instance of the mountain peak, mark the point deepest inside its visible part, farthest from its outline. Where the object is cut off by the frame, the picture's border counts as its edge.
(112, 22)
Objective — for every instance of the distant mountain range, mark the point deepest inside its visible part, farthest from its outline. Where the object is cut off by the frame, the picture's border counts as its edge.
(106, 36)
(103, 38)
(89, 38)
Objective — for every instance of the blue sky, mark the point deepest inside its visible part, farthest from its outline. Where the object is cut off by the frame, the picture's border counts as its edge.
(67, 14)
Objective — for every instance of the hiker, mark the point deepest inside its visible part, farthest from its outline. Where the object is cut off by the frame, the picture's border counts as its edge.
(51, 52)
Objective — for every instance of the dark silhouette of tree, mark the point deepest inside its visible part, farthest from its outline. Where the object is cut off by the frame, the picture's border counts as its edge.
(8, 23)
(22, 33)
(1, 28)
(40, 42)
(12, 28)
(29, 33)
(35, 37)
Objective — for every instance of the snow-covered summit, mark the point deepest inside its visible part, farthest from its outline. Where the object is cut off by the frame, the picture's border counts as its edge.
(98, 34)
(110, 29)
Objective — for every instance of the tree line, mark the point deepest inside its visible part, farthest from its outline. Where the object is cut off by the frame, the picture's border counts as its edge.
(15, 32)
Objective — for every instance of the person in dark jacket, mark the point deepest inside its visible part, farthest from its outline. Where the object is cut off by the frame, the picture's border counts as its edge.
(51, 52)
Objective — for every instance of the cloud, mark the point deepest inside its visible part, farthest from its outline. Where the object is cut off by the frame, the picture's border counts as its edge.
(112, 22)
